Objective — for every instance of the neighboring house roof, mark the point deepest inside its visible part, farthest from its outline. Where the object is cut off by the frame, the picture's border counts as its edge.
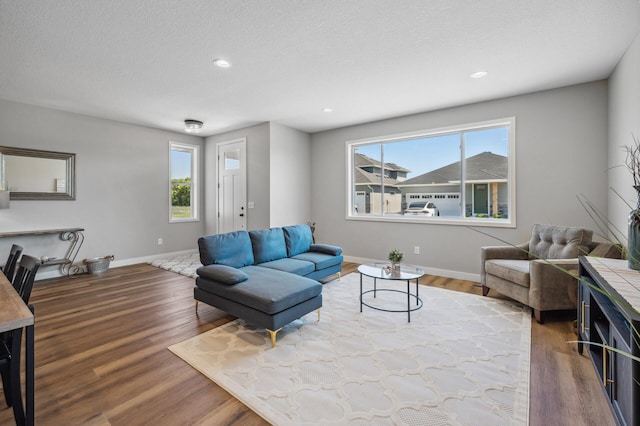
(363, 177)
(361, 160)
(395, 167)
(483, 167)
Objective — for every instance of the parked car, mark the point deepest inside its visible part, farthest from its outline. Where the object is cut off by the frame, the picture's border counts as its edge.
(423, 208)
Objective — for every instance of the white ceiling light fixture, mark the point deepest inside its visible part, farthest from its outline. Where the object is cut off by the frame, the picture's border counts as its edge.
(327, 110)
(221, 63)
(479, 74)
(192, 126)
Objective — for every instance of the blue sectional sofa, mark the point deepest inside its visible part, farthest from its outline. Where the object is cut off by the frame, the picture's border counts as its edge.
(267, 277)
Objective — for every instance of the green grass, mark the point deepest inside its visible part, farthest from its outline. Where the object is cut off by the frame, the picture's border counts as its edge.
(178, 212)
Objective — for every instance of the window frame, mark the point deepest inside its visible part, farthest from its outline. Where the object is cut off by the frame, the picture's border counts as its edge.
(509, 222)
(194, 150)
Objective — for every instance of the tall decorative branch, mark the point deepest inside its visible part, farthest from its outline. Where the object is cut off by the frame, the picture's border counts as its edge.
(633, 160)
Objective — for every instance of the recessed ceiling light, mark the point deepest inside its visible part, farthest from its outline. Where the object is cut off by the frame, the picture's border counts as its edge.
(192, 126)
(222, 63)
(479, 74)
(327, 110)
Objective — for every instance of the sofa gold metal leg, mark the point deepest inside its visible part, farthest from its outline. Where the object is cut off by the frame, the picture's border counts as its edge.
(272, 334)
(318, 314)
(196, 306)
(339, 275)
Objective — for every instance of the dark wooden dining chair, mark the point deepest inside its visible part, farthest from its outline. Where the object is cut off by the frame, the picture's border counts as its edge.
(5, 360)
(10, 343)
(9, 268)
(25, 276)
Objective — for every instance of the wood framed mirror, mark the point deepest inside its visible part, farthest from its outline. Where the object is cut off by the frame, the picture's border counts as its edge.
(31, 174)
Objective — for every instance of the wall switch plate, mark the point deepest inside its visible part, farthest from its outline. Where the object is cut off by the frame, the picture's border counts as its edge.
(160, 241)
(251, 205)
(416, 250)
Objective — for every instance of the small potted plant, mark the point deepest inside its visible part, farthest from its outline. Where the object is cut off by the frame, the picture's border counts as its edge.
(395, 257)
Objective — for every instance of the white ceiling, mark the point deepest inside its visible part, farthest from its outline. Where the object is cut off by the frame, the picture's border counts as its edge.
(149, 62)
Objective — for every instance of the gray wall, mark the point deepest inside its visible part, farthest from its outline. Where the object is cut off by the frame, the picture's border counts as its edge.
(278, 175)
(624, 121)
(290, 161)
(122, 177)
(122, 171)
(561, 152)
(258, 170)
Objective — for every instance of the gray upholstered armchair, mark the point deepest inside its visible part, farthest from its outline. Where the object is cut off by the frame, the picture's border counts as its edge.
(526, 272)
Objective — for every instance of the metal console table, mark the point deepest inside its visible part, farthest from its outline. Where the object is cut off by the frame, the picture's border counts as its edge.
(73, 235)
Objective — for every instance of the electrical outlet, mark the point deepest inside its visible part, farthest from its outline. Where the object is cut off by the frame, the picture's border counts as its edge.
(416, 250)
(160, 241)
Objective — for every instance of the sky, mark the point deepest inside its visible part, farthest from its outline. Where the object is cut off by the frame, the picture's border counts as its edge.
(180, 164)
(426, 154)
(419, 155)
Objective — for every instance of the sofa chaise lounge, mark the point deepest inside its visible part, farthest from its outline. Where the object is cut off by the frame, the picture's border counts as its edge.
(267, 277)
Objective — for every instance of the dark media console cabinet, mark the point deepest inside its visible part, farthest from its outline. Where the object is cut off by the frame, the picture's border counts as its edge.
(608, 322)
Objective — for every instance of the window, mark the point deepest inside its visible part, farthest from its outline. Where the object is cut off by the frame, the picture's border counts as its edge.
(183, 189)
(458, 175)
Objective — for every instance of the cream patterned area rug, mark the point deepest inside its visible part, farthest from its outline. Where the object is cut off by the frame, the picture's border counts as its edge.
(184, 264)
(462, 360)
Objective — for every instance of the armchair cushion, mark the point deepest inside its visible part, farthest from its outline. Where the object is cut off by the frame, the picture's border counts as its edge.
(558, 242)
(516, 271)
(609, 250)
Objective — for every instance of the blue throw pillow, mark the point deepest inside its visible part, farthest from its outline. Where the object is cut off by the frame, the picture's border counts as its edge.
(298, 239)
(222, 273)
(326, 249)
(268, 245)
(231, 249)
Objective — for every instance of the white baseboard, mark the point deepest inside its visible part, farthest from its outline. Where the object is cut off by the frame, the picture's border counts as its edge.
(50, 272)
(430, 271)
(43, 273)
(147, 259)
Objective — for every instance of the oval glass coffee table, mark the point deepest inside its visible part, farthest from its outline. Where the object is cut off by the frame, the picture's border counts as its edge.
(382, 271)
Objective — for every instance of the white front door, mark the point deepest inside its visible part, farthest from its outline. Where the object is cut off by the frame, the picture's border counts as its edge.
(232, 185)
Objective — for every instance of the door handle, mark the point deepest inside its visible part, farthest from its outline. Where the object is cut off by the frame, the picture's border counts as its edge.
(241, 214)
(584, 325)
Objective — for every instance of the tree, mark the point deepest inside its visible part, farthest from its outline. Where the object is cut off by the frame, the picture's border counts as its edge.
(181, 192)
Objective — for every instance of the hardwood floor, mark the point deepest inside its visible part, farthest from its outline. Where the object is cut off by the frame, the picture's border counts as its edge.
(102, 358)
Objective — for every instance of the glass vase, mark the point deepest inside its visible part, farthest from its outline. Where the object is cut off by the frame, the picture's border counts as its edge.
(633, 237)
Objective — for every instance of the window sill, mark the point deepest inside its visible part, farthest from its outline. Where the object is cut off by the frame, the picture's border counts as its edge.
(184, 220)
(470, 221)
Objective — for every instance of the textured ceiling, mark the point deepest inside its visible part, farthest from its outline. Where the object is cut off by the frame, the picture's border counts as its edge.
(150, 62)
